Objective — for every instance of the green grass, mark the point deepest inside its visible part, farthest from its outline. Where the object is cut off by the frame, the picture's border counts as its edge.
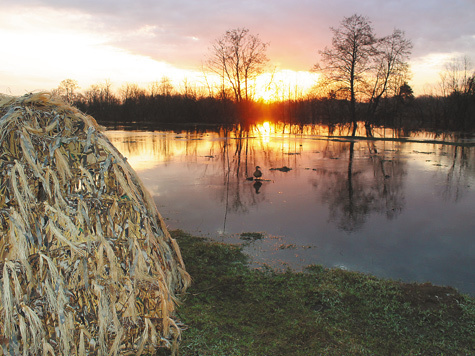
(234, 310)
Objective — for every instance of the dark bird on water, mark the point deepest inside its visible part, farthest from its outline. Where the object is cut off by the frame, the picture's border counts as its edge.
(257, 172)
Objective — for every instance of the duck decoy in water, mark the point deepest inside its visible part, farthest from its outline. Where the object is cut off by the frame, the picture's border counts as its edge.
(257, 172)
(282, 169)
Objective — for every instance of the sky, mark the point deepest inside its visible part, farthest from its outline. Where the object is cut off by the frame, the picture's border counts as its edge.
(140, 41)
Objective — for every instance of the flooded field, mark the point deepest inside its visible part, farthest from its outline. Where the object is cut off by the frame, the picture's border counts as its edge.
(396, 207)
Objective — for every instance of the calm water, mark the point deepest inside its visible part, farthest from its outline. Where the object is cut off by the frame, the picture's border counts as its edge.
(397, 209)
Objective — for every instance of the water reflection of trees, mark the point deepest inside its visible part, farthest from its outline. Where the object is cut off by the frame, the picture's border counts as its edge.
(460, 161)
(369, 179)
(372, 183)
(236, 163)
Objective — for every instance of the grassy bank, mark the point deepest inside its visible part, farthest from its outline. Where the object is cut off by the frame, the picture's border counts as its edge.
(233, 310)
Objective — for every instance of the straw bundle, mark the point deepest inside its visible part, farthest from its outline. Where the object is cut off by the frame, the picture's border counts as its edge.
(87, 266)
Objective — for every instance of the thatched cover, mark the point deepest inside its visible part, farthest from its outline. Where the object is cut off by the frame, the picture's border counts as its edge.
(87, 266)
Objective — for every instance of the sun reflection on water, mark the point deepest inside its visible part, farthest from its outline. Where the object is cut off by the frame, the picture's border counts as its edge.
(263, 131)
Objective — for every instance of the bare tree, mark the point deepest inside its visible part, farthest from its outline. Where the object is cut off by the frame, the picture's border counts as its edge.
(106, 90)
(346, 62)
(67, 87)
(390, 70)
(186, 88)
(237, 58)
(101, 93)
(131, 92)
(458, 76)
(153, 88)
(166, 86)
(163, 87)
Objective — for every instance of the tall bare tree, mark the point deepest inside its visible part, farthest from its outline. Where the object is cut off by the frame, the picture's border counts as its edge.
(238, 58)
(346, 62)
(390, 70)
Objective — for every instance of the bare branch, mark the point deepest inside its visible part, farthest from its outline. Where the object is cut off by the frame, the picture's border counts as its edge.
(238, 58)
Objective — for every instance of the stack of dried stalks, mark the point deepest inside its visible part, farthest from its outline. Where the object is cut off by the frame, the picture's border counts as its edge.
(87, 266)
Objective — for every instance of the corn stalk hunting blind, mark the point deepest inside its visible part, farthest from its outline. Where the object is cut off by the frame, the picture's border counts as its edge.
(87, 266)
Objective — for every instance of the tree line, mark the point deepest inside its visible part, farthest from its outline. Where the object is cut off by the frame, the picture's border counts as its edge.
(363, 78)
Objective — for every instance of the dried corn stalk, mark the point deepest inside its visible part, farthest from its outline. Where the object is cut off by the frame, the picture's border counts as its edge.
(87, 266)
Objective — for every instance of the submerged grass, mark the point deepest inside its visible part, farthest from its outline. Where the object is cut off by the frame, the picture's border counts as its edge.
(232, 309)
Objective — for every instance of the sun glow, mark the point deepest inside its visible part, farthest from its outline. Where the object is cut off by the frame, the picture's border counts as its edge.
(264, 131)
(427, 70)
(266, 127)
(284, 84)
(47, 46)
